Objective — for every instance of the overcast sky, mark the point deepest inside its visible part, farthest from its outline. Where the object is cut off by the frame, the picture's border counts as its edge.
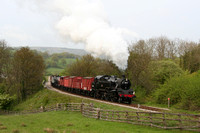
(21, 25)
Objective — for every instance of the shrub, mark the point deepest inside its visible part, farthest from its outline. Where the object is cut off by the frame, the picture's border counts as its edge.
(163, 70)
(183, 91)
(5, 101)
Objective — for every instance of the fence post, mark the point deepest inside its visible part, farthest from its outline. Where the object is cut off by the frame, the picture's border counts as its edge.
(65, 107)
(151, 119)
(118, 115)
(127, 117)
(180, 122)
(57, 106)
(199, 125)
(91, 105)
(82, 104)
(98, 113)
(164, 122)
(42, 108)
(138, 117)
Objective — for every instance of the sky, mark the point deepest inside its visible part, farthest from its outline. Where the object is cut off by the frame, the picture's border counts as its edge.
(25, 25)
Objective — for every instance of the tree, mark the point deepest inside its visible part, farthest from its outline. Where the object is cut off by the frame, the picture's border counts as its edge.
(86, 66)
(106, 67)
(27, 74)
(63, 61)
(90, 66)
(4, 60)
(163, 70)
(140, 55)
(190, 60)
(143, 61)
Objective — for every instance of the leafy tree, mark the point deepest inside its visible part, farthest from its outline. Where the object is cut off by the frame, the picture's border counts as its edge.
(106, 67)
(83, 67)
(45, 55)
(140, 55)
(4, 60)
(54, 58)
(90, 66)
(191, 59)
(27, 74)
(63, 61)
(163, 70)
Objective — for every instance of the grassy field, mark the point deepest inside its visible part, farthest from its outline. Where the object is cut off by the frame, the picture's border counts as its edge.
(60, 67)
(63, 120)
(68, 122)
(54, 70)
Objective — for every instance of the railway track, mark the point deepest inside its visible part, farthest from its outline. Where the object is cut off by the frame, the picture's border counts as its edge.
(131, 106)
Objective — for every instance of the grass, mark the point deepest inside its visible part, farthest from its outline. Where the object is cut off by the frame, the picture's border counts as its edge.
(54, 70)
(60, 67)
(68, 122)
(47, 97)
(173, 109)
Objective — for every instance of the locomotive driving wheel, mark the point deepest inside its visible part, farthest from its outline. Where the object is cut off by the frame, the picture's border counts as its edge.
(129, 101)
(119, 100)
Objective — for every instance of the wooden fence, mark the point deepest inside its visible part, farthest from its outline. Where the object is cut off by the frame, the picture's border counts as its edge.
(159, 120)
(57, 107)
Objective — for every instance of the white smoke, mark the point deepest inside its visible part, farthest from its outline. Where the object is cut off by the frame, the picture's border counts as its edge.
(85, 21)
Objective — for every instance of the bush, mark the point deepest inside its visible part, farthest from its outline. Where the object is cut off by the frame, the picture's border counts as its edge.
(2, 88)
(183, 91)
(5, 101)
(157, 73)
(163, 70)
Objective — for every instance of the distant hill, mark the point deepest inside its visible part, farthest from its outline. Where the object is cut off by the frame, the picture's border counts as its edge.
(52, 50)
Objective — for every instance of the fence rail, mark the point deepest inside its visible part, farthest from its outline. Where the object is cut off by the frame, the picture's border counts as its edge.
(159, 120)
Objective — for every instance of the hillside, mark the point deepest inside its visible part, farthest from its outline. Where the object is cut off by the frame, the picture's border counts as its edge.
(52, 50)
(47, 97)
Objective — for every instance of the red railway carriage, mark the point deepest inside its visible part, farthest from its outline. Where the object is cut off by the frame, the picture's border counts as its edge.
(68, 81)
(77, 83)
(87, 83)
(62, 80)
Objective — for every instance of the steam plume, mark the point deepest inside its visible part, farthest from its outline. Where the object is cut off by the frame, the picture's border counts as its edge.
(84, 21)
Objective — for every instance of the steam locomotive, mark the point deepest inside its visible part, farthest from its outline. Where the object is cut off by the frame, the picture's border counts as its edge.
(103, 87)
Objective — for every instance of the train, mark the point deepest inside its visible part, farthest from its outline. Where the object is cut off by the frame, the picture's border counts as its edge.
(105, 87)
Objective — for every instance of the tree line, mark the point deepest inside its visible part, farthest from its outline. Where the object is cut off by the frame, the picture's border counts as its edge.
(21, 74)
(89, 66)
(156, 64)
(57, 60)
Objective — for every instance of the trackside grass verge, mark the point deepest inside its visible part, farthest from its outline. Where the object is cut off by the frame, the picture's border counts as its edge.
(69, 122)
(47, 98)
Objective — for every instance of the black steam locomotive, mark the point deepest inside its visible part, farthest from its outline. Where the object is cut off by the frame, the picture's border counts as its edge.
(113, 89)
